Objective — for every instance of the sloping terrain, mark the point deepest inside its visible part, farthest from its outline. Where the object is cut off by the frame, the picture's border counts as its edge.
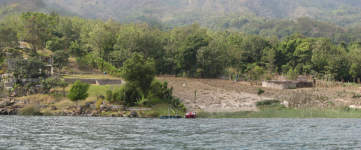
(342, 12)
(180, 12)
(216, 95)
(197, 95)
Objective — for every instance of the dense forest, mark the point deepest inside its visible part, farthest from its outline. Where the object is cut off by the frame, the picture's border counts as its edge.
(191, 50)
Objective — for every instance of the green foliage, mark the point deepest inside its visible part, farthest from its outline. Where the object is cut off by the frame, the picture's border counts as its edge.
(140, 51)
(292, 74)
(267, 103)
(138, 71)
(61, 59)
(109, 95)
(160, 90)
(37, 29)
(50, 83)
(75, 49)
(78, 91)
(260, 91)
(31, 68)
(8, 37)
(129, 94)
(255, 72)
(92, 60)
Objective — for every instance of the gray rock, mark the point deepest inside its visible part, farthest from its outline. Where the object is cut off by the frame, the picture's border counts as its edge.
(133, 114)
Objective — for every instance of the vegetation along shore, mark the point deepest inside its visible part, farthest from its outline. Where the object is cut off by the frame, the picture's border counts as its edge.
(69, 66)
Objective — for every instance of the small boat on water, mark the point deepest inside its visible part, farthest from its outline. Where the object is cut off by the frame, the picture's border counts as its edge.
(191, 115)
(176, 116)
(170, 117)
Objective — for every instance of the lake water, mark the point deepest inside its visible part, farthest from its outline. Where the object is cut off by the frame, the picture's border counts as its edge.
(18, 132)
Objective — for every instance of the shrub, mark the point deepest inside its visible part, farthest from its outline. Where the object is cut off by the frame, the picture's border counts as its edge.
(79, 91)
(30, 110)
(109, 95)
(160, 91)
(260, 91)
(292, 74)
(129, 95)
(98, 103)
(267, 102)
(51, 83)
(356, 95)
(139, 71)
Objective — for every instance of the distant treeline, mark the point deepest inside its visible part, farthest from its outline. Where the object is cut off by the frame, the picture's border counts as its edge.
(190, 50)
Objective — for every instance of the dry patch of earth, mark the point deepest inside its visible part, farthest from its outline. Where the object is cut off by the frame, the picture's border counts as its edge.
(217, 95)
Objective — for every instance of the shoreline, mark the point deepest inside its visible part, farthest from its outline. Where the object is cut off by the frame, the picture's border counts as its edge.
(266, 112)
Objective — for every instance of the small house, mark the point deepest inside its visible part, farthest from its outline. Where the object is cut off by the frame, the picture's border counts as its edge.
(279, 84)
(286, 84)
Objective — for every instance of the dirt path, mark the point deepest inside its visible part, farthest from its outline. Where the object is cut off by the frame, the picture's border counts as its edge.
(199, 95)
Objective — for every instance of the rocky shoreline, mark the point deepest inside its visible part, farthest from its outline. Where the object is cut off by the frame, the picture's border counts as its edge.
(11, 106)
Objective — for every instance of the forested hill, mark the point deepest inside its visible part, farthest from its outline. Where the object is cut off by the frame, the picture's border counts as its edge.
(334, 19)
(341, 12)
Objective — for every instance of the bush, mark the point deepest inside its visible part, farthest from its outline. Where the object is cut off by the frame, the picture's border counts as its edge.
(160, 90)
(109, 95)
(128, 94)
(260, 91)
(292, 74)
(356, 95)
(98, 103)
(267, 102)
(30, 110)
(139, 71)
(79, 91)
(51, 83)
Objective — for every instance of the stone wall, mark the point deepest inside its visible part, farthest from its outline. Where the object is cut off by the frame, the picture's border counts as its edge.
(95, 81)
(279, 84)
(286, 84)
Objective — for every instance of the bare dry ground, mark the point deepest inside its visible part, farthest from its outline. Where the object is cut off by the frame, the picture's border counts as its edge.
(217, 95)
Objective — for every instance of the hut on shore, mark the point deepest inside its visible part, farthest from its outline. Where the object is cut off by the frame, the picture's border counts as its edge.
(286, 84)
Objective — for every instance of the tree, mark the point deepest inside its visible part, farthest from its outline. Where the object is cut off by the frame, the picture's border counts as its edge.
(79, 91)
(51, 83)
(7, 37)
(31, 68)
(103, 39)
(37, 29)
(142, 39)
(60, 59)
(76, 50)
(139, 71)
(211, 60)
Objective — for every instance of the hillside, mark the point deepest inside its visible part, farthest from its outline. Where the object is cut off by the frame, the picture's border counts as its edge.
(334, 19)
(8, 7)
(216, 95)
(341, 12)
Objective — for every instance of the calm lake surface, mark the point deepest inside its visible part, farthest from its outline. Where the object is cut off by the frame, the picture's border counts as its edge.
(18, 132)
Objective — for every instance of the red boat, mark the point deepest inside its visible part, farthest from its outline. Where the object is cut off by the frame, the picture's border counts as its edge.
(191, 115)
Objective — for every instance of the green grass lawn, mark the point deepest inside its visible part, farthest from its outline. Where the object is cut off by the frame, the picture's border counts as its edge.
(91, 76)
(97, 90)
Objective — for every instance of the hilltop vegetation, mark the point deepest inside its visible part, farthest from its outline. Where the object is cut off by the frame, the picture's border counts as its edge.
(334, 19)
(190, 51)
(345, 12)
(138, 52)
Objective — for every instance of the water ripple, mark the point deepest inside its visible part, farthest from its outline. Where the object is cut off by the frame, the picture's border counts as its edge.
(18, 132)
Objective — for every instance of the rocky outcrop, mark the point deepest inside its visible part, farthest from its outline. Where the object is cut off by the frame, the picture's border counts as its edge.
(8, 107)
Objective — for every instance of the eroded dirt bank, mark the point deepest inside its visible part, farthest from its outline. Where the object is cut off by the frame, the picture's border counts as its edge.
(217, 95)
